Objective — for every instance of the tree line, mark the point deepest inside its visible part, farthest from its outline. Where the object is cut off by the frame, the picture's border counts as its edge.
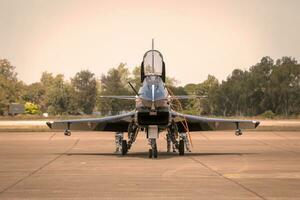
(268, 87)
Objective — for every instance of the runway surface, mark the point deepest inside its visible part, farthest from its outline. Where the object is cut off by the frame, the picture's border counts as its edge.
(257, 165)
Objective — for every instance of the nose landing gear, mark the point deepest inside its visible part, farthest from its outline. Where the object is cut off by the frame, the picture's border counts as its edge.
(153, 150)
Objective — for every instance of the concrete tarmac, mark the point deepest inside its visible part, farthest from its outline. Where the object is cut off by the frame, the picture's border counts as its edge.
(257, 165)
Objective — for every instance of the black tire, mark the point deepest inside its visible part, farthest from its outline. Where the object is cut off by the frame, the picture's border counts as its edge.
(124, 147)
(155, 153)
(150, 153)
(67, 133)
(181, 147)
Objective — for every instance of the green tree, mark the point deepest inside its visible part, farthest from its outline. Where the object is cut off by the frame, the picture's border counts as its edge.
(10, 87)
(190, 88)
(284, 86)
(85, 86)
(260, 99)
(207, 92)
(265, 87)
(59, 96)
(115, 83)
(232, 94)
(7, 70)
(34, 93)
(136, 77)
(124, 74)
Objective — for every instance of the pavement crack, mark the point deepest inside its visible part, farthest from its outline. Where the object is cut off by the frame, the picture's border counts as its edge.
(40, 168)
(202, 134)
(285, 138)
(228, 179)
(50, 138)
(275, 147)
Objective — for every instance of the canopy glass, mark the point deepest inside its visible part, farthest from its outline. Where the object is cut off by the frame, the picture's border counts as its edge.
(153, 63)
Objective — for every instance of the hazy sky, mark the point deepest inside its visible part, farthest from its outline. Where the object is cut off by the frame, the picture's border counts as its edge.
(197, 38)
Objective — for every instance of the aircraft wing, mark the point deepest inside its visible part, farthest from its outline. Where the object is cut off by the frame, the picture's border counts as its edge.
(110, 123)
(187, 97)
(119, 97)
(197, 123)
(134, 97)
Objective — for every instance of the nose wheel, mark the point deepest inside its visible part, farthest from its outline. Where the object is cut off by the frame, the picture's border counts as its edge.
(153, 150)
(153, 153)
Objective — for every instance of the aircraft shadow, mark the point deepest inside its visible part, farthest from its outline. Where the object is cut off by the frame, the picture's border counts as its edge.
(161, 155)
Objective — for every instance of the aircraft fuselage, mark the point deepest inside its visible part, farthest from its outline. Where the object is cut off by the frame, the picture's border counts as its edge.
(152, 105)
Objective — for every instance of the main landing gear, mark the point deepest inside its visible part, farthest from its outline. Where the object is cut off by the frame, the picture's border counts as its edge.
(132, 134)
(173, 134)
(181, 148)
(124, 147)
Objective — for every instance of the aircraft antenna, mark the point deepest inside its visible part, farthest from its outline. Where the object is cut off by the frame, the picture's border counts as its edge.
(153, 55)
(136, 93)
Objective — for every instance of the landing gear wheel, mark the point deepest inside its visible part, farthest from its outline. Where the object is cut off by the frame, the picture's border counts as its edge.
(67, 132)
(150, 153)
(155, 152)
(238, 132)
(124, 147)
(181, 148)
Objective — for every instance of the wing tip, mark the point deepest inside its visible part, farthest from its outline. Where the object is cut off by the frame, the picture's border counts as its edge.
(256, 123)
(49, 124)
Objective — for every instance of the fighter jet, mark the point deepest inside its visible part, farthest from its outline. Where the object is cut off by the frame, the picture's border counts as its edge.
(153, 113)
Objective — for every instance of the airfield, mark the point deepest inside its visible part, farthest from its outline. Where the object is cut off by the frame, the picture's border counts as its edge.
(49, 165)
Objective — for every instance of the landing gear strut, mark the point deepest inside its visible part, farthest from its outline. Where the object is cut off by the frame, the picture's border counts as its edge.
(153, 150)
(132, 134)
(173, 134)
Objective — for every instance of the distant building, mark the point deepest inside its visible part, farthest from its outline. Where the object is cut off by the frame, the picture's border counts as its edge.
(15, 108)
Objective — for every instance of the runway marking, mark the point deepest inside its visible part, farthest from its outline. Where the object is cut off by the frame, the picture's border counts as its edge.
(39, 169)
(228, 179)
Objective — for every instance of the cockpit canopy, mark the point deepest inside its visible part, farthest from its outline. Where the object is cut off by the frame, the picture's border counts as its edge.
(153, 89)
(153, 64)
